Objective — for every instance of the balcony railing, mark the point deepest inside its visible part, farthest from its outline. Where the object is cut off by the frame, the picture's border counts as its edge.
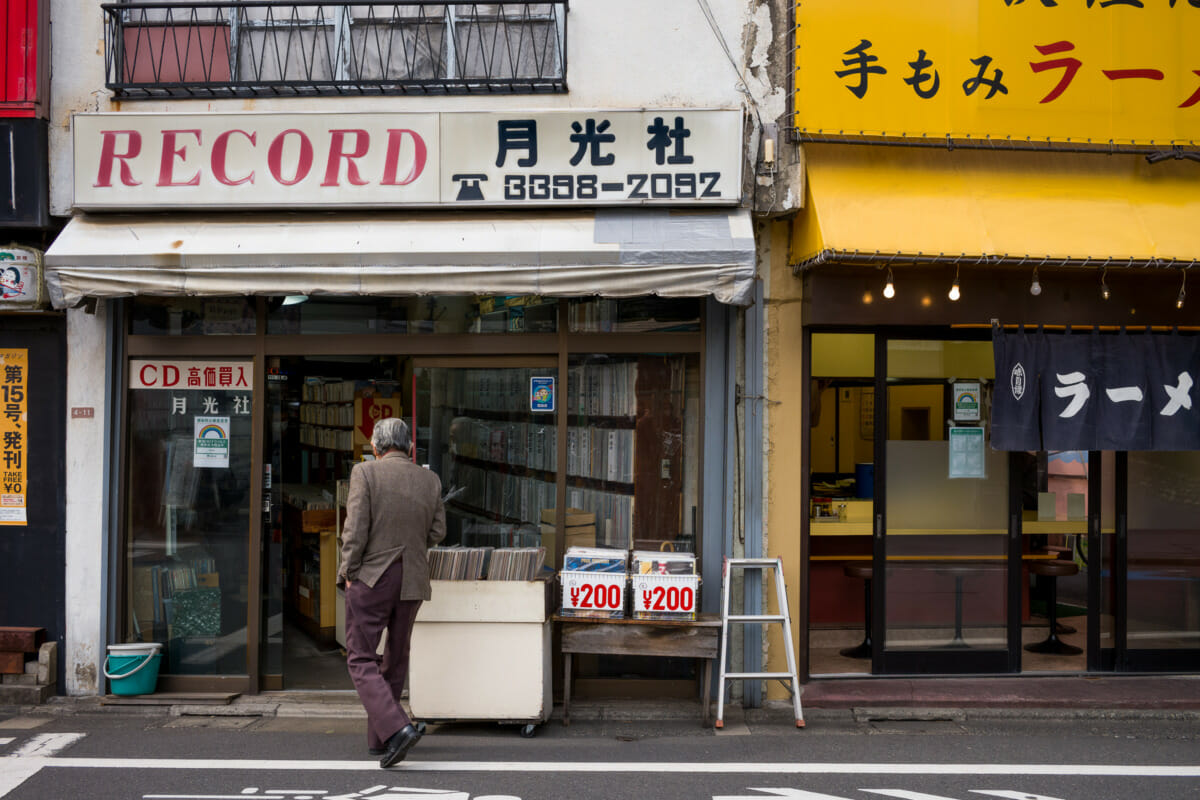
(255, 49)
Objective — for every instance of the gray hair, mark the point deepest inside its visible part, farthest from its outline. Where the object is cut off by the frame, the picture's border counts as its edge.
(391, 434)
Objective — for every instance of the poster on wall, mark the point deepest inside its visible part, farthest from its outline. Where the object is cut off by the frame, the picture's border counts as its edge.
(966, 401)
(211, 443)
(14, 428)
(541, 394)
(967, 453)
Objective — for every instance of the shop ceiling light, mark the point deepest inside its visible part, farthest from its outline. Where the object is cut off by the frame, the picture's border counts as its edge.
(295, 299)
(1104, 286)
(889, 291)
(954, 292)
(1035, 288)
(1182, 288)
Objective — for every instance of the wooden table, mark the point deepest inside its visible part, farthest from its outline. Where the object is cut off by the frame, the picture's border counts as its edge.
(699, 639)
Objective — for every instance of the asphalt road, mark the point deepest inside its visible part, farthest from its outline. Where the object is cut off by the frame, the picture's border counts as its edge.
(130, 757)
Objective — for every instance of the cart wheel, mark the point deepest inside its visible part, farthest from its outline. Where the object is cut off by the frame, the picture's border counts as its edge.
(528, 731)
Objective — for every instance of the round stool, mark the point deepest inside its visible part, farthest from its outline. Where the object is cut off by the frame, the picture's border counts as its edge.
(865, 572)
(1053, 570)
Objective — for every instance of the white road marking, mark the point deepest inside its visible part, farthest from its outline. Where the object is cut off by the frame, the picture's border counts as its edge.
(5, 740)
(583, 767)
(1012, 795)
(785, 794)
(905, 794)
(45, 745)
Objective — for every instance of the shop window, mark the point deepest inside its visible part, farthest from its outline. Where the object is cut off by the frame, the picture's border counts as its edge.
(241, 49)
(431, 314)
(633, 315)
(188, 509)
(192, 316)
(1163, 554)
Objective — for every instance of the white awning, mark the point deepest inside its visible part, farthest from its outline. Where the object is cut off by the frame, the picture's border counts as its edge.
(615, 253)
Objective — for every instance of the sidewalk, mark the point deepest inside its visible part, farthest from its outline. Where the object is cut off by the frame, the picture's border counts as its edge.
(1176, 697)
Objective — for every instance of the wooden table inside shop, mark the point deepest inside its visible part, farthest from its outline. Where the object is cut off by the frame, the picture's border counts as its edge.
(699, 639)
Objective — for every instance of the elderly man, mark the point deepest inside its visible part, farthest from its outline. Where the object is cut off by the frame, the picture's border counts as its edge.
(394, 513)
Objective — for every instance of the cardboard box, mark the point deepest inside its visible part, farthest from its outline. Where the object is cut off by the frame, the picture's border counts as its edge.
(576, 517)
(318, 520)
(581, 536)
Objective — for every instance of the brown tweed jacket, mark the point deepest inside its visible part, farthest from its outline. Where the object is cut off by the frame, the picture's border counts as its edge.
(394, 511)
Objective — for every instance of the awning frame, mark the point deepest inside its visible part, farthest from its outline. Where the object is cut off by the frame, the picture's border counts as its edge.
(620, 252)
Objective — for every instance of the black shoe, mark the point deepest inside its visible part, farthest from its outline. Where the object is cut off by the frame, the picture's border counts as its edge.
(398, 745)
(378, 751)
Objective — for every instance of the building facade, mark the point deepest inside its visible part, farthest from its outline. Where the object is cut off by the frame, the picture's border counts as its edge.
(527, 228)
(33, 345)
(981, 346)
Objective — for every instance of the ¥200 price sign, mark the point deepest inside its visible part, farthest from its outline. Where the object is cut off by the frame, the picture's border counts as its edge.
(593, 591)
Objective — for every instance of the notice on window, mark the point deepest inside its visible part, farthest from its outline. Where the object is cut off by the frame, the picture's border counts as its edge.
(966, 402)
(967, 453)
(14, 430)
(211, 443)
(541, 394)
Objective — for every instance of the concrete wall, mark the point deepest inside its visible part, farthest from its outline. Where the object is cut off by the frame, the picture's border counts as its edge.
(783, 441)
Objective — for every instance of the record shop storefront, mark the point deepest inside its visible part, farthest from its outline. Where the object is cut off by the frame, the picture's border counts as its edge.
(551, 345)
(1002, 472)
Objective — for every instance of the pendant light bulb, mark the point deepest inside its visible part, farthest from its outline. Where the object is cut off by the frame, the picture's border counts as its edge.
(954, 292)
(1182, 289)
(1035, 288)
(1104, 292)
(889, 291)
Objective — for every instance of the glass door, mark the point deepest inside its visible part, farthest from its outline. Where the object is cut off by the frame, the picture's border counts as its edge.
(942, 524)
(1158, 543)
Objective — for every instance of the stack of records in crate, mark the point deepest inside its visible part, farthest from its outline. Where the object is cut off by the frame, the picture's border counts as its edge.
(594, 559)
(646, 562)
(593, 582)
(664, 585)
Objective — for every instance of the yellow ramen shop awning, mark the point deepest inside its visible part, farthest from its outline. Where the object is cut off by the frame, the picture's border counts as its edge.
(872, 204)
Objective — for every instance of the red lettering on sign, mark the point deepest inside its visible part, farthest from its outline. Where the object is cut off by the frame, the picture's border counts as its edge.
(170, 375)
(220, 153)
(166, 165)
(109, 154)
(303, 163)
(391, 163)
(153, 370)
(337, 152)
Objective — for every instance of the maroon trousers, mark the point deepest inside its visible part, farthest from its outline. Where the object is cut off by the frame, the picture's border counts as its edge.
(370, 609)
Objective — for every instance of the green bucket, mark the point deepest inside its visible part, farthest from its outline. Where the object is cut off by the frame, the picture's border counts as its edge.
(133, 668)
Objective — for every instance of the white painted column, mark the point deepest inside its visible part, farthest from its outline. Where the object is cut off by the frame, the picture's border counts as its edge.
(85, 559)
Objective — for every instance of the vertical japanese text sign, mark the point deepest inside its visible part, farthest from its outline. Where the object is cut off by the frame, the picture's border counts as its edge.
(14, 428)
(1097, 71)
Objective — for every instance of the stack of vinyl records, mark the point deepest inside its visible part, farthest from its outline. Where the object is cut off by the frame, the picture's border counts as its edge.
(593, 582)
(457, 563)
(516, 563)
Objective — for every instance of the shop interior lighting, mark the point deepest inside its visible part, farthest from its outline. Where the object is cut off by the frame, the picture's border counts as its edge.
(1182, 287)
(889, 290)
(1104, 286)
(954, 292)
(1035, 288)
(295, 299)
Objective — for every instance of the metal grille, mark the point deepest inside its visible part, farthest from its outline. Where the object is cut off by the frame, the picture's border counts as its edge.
(254, 49)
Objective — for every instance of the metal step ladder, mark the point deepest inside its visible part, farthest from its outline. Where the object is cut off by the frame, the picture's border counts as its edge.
(788, 679)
